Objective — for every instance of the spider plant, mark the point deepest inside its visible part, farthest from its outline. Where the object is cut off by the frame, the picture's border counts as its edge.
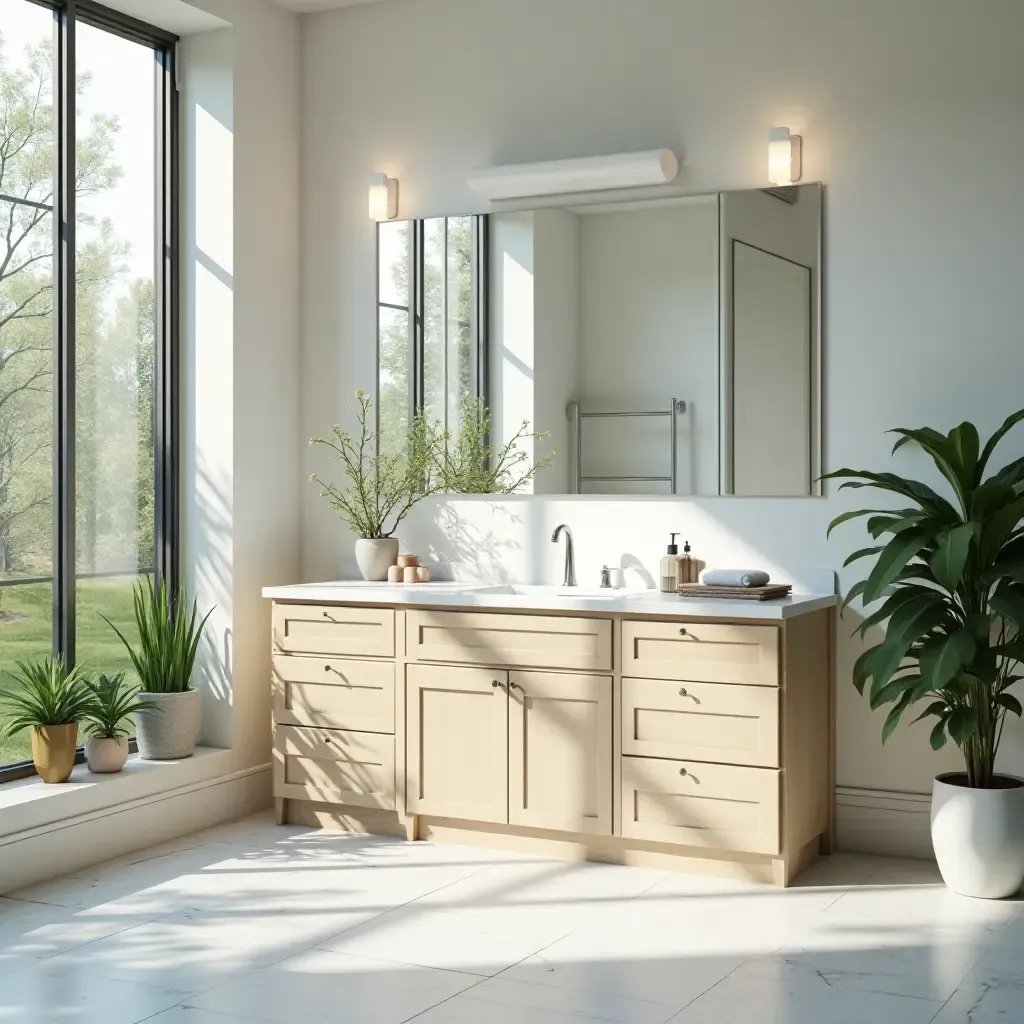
(45, 693)
(111, 714)
(950, 576)
(168, 638)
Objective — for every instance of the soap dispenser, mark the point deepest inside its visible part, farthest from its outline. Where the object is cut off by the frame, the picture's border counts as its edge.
(687, 564)
(669, 573)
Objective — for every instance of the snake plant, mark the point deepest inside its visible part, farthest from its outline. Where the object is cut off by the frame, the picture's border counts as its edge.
(949, 573)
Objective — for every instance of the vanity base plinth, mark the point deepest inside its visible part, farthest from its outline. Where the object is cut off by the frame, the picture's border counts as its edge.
(573, 846)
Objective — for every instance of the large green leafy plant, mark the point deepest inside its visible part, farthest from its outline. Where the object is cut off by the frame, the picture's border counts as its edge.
(169, 636)
(950, 576)
(46, 693)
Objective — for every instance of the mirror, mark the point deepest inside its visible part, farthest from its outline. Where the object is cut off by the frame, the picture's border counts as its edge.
(664, 347)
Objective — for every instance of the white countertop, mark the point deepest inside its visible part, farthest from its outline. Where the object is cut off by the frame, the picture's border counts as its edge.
(522, 597)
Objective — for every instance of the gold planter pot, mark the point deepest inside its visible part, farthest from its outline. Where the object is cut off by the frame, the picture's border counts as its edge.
(53, 751)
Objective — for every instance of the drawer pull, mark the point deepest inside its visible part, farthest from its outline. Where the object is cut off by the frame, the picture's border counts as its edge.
(495, 683)
(326, 739)
(327, 668)
(513, 686)
(682, 771)
(682, 691)
(682, 629)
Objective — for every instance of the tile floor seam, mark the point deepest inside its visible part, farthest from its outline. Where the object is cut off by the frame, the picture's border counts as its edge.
(482, 980)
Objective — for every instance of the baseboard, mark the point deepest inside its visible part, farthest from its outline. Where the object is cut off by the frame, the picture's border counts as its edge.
(884, 822)
(89, 839)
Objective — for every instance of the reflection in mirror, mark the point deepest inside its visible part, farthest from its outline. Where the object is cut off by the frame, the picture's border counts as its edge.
(660, 347)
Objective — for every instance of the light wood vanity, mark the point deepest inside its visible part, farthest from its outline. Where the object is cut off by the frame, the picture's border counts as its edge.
(642, 730)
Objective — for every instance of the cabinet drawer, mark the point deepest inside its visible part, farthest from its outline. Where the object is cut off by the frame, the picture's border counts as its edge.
(701, 721)
(334, 694)
(712, 806)
(701, 652)
(334, 629)
(331, 766)
(518, 641)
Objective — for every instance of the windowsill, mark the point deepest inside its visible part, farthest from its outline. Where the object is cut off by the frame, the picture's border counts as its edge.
(29, 804)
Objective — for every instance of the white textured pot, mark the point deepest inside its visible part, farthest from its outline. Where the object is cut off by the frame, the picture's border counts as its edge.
(375, 557)
(104, 755)
(167, 731)
(978, 836)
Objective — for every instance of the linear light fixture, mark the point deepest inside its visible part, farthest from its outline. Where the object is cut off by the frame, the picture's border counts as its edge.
(582, 174)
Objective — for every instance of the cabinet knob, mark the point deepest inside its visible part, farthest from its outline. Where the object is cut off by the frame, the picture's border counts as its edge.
(682, 771)
(682, 691)
(682, 629)
(495, 683)
(327, 739)
(513, 686)
(327, 668)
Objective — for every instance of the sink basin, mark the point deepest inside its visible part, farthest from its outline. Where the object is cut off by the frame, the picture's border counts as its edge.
(544, 590)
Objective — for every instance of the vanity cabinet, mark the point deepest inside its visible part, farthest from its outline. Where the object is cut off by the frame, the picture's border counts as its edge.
(703, 741)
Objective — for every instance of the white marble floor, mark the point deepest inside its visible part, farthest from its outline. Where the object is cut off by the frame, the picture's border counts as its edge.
(251, 922)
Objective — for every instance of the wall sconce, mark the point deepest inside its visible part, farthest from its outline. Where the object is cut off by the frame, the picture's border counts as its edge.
(383, 197)
(784, 156)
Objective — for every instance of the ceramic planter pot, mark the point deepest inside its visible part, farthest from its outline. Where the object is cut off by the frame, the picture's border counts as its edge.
(105, 755)
(53, 751)
(375, 557)
(978, 835)
(167, 730)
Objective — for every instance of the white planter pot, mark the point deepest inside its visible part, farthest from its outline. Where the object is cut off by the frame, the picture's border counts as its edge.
(978, 836)
(104, 755)
(375, 557)
(167, 731)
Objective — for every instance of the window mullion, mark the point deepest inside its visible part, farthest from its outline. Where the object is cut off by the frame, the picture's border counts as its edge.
(64, 335)
(418, 324)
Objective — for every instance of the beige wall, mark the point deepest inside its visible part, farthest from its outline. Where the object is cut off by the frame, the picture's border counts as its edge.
(913, 116)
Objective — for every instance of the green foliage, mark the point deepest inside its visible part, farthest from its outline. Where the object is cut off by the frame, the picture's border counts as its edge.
(110, 716)
(468, 464)
(46, 693)
(168, 638)
(952, 579)
(381, 488)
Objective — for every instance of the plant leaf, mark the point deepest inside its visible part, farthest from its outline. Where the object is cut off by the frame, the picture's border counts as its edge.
(897, 600)
(949, 560)
(937, 707)
(938, 736)
(1008, 603)
(1008, 701)
(907, 625)
(863, 667)
(943, 657)
(863, 553)
(894, 556)
(990, 446)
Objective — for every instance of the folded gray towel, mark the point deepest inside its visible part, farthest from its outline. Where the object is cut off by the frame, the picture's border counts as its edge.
(734, 578)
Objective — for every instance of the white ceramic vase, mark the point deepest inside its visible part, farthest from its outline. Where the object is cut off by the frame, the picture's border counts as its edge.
(978, 836)
(167, 730)
(375, 556)
(104, 755)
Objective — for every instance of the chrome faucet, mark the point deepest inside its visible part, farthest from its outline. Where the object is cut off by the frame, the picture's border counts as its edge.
(570, 557)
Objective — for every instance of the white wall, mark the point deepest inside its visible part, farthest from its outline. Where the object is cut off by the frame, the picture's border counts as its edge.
(240, 328)
(649, 334)
(913, 116)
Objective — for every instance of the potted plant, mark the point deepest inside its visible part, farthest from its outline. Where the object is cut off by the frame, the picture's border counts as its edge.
(950, 574)
(108, 723)
(169, 635)
(50, 699)
(381, 489)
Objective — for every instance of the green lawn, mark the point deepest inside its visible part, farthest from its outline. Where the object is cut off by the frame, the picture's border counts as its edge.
(25, 616)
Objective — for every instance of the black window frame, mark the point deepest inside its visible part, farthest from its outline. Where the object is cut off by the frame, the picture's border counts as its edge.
(67, 14)
(415, 308)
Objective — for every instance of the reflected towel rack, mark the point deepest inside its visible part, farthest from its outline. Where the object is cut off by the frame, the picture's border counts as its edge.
(577, 416)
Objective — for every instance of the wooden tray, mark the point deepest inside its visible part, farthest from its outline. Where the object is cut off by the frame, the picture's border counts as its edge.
(765, 593)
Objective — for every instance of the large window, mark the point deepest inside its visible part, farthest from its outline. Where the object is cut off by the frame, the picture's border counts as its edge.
(431, 320)
(87, 335)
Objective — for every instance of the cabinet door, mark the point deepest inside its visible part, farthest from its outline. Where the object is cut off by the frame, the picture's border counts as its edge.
(560, 751)
(457, 742)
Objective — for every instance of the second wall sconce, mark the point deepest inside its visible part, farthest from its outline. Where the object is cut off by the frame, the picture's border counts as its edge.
(784, 156)
(383, 197)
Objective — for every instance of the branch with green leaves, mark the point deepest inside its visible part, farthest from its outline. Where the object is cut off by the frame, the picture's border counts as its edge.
(950, 576)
